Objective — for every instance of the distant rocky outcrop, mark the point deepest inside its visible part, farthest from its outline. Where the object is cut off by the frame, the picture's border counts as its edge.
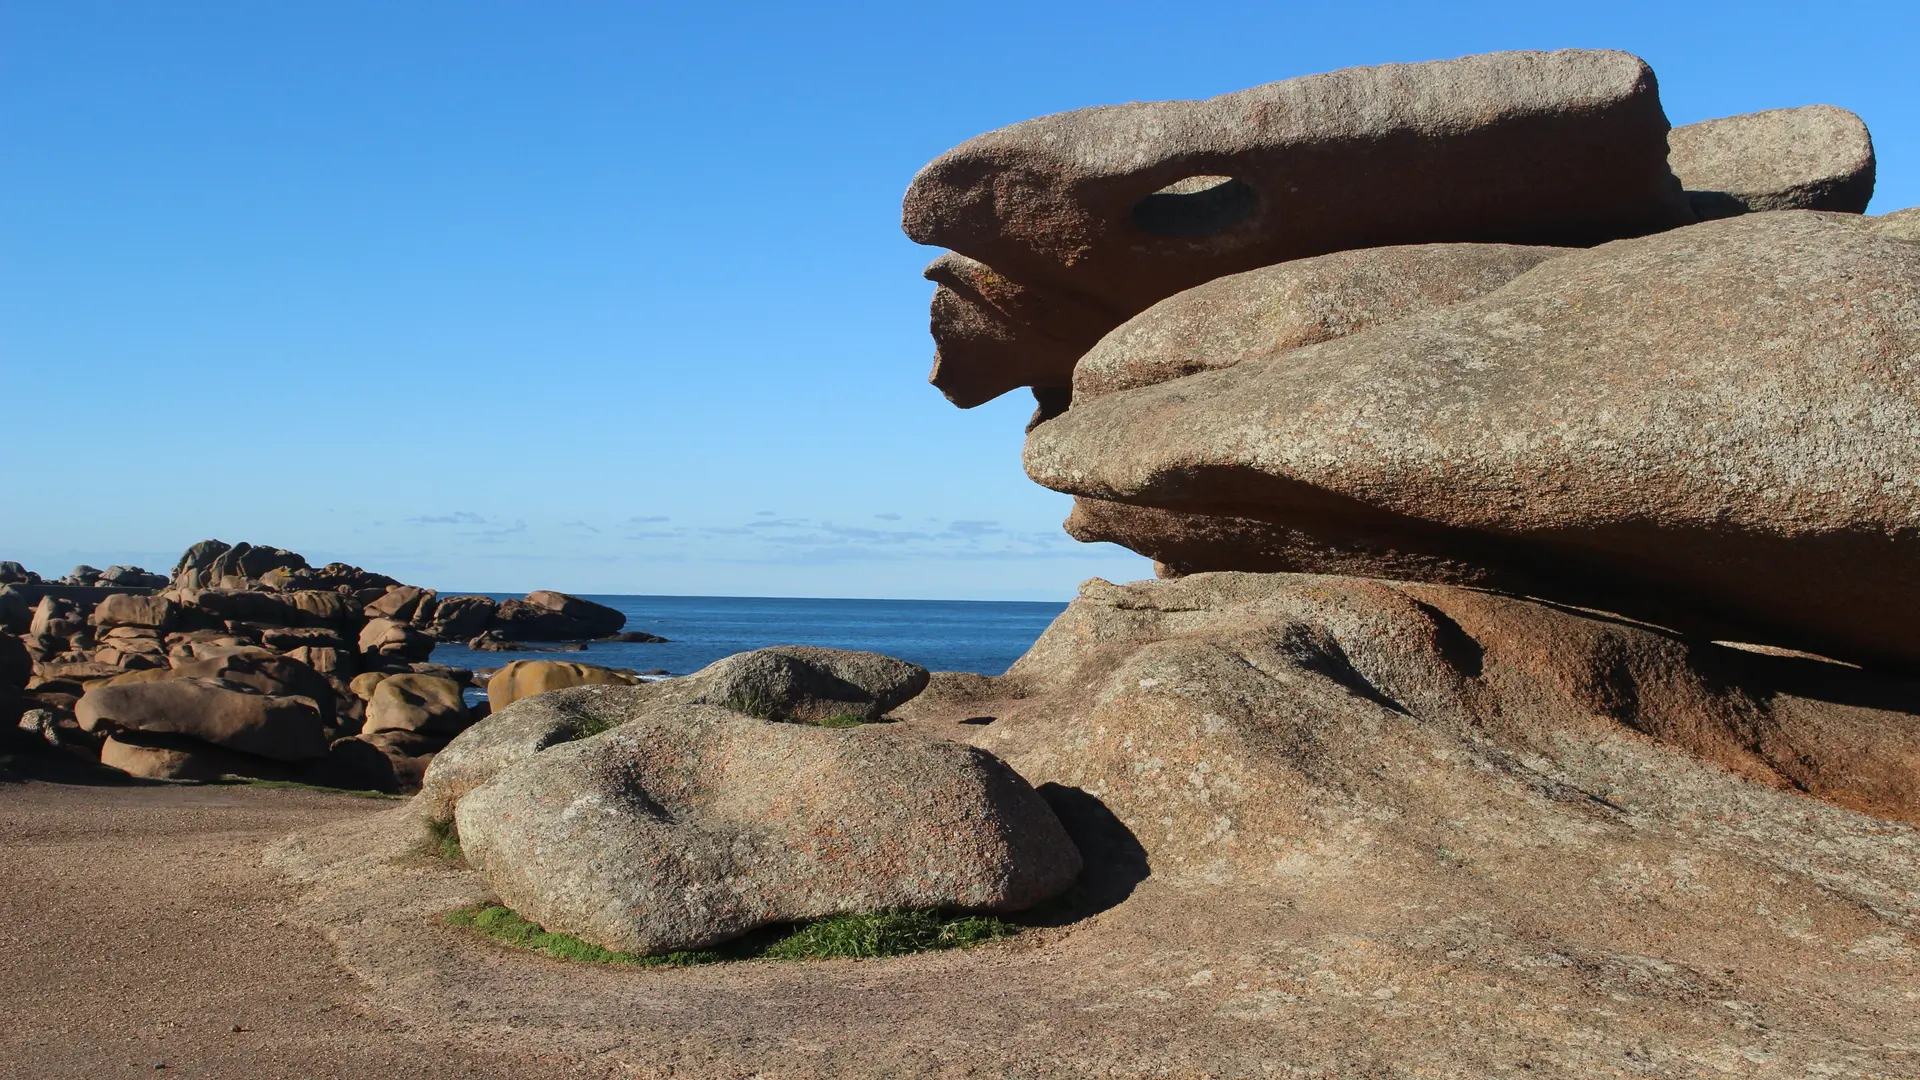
(250, 660)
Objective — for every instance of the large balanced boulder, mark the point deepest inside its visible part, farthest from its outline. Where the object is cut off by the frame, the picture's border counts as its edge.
(1817, 157)
(1303, 302)
(409, 702)
(1700, 428)
(129, 609)
(691, 825)
(281, 728)
(525, 678)
(1111, 209)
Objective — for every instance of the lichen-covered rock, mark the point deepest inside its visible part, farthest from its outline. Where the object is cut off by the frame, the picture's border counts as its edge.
(807, 683)
(1267, 311)
(524, 728)
(1899, 225)
(691, 825)
(1817, 157)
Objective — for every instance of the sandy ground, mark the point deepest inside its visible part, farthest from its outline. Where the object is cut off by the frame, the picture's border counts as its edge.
(244, 933)
(145, 938)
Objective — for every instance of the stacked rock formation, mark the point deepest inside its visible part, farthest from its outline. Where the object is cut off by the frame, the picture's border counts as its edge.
(1482, 321)
(1451, 334)
(249, 661)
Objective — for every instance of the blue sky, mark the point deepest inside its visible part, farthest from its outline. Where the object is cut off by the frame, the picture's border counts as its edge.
(613, 297)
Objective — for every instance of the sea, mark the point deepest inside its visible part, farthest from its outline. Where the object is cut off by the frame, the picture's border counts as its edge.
(982, 636)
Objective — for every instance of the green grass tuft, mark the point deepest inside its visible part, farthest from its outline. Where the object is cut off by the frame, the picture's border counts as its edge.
(895, 932)
(506, 926)
(443, 839)
(760, 708)
(589, 726)
(885, 933)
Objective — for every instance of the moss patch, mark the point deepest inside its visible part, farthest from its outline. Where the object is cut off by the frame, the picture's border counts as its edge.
(885, 933)
(753, 705)
(894, 932)
(506, 926)
(443, 839)
(588, 727)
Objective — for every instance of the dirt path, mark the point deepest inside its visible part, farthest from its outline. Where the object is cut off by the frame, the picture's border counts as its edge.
(144, 935)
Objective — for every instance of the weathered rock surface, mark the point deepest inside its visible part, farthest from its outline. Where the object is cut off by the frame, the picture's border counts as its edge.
(551, 616)
(1816, 157)
(525, 678)
(806, 683)
(1112, 209)
(1310, 806)
(261, 671)
(598, 619)
(128, 609)
(402, 603)
(1899, 225)
(1586, 433)
(162, 757)
(1191, 543)
(390, 639)
(281, 728)
(541, 703)
(458, 618)
(691, 825)
(1268, 311)
(423, 703)
(510, 735)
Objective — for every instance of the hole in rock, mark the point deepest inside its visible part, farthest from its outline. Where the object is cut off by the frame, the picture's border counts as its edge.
(979, 721)
(1197, 206)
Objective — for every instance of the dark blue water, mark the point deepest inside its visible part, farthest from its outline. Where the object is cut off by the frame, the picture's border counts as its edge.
(984, 636)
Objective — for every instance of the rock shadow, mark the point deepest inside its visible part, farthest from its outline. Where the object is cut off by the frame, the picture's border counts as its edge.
(1115, 863)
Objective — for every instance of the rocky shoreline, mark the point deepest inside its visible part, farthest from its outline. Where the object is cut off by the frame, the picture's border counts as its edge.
(247, 661)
